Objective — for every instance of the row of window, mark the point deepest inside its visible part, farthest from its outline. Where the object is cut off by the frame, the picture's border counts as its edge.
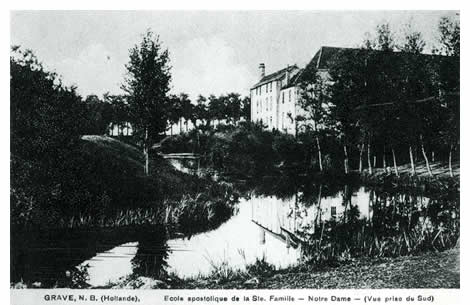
(267, 87)
(259, 102)
(269, 106)
(283, 96)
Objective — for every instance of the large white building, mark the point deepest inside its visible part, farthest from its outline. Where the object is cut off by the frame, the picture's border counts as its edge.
(275, 98)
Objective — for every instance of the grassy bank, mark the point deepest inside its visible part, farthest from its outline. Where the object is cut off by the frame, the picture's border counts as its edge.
(428, 270)
(105, 186)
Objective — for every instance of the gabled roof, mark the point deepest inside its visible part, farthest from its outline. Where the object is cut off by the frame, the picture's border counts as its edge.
(293, 79)
(275, 76)
(323, 57)
(322, 60)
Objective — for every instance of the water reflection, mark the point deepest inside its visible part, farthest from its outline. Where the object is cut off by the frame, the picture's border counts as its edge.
(284, 224)
(151, 257)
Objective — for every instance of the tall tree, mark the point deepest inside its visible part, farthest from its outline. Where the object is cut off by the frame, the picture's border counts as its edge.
(147, 83)
(415, 83)
(175, 112)
(448, 81)
(46, 125)
(314, 100)
(347, 93)
(202, 111)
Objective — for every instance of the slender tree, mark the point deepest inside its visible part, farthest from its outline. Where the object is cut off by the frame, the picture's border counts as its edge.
(314, 100)
(147, 84)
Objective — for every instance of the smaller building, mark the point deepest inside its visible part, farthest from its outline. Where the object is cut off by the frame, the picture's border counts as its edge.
(275, 99)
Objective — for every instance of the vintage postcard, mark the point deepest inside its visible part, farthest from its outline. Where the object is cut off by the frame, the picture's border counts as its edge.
(235, 157)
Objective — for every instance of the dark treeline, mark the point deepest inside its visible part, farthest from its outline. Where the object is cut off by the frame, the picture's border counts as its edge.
(385, 107)
(61, 179)
(377, 107)
(204, 112)
(228, 108)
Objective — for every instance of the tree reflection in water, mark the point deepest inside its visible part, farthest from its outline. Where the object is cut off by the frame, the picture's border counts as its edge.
(152, 255)
(339, 222)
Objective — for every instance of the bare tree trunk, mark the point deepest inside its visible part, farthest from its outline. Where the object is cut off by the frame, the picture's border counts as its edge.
(346, 160)
(368, 157)
(375, 161)
(426, 157)
(318, 214)
(413, 169)
(384, 160)
(146, 153)
(395, 163)
(451, 173)
(432, 156)
(320, 163)
(361, 150)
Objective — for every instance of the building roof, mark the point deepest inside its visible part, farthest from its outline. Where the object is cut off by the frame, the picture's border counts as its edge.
(293, 79)
(275, 76)
(321, 61)
(323, 57)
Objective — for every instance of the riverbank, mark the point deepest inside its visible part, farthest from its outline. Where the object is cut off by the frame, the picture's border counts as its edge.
(440, 170)
(428, 270)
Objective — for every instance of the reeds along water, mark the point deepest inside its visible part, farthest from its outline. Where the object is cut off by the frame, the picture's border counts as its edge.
(396, 224)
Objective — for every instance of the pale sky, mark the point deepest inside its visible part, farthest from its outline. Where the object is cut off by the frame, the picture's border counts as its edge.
(210, 51)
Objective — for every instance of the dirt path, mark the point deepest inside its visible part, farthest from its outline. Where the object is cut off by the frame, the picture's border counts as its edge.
(431, 270)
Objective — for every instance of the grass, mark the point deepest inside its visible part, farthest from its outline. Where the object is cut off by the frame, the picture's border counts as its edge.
(439, 169)
(108, 188)
(131, 158)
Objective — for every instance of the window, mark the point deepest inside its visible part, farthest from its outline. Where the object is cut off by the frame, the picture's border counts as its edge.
(270, 87)
(333, 212)
(271, 102)
(283, 96)
(267, 103)
(266, 88)
(282, 120)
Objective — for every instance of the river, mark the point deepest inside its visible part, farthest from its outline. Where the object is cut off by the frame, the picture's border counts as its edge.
(282, 228)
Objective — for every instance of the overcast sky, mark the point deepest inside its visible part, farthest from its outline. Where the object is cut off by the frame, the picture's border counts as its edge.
(210, 52)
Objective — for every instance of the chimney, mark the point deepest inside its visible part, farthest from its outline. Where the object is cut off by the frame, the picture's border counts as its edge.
(261, 70)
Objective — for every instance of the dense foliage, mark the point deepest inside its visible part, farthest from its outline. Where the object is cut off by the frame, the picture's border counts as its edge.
(60, 178)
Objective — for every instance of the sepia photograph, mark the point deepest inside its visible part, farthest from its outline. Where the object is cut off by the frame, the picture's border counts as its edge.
(246, 150)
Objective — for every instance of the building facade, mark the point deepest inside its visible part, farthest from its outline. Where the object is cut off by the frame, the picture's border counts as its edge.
(274, 99)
